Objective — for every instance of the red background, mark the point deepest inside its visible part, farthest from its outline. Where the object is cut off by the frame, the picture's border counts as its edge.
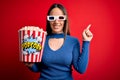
(104, 15)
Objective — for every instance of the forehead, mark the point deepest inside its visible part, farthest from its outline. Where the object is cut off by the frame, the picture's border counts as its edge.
(56, 11)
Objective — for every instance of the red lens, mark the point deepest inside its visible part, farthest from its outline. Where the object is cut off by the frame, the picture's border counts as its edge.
(61, 17)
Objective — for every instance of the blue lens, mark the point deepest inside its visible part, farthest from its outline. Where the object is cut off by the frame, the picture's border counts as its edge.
(51, 18)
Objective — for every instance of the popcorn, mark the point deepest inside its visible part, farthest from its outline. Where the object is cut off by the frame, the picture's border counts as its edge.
(31, 43)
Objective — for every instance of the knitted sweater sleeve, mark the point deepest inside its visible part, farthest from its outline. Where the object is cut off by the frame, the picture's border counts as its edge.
(80, 59)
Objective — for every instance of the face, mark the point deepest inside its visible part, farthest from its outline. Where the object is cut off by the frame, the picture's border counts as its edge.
(58, 24)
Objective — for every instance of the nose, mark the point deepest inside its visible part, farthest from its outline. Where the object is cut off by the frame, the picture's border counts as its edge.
(56, 21)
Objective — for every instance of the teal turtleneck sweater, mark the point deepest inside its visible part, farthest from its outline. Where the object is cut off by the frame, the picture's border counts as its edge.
(57, 65)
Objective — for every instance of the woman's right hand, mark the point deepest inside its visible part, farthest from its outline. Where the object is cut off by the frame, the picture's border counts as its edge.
(29, 64)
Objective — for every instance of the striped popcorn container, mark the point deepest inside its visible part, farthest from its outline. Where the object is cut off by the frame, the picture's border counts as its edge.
(31, 43)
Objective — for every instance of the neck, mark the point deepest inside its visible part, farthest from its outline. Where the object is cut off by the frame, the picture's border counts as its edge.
(57, 32)
(57, 35)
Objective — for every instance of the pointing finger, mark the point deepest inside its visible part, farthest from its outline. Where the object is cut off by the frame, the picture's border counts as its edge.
(88, 27)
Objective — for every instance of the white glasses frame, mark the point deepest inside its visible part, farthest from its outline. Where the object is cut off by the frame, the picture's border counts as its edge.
(56, 17)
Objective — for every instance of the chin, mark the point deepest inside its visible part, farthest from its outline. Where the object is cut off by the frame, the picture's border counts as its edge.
(57, 31)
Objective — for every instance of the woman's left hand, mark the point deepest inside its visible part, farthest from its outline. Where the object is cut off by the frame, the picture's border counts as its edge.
(87, 35)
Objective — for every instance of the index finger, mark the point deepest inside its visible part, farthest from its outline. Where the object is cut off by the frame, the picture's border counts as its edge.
(88, 27)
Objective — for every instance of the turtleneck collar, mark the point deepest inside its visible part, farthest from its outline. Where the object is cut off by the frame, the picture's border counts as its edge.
(55, 35)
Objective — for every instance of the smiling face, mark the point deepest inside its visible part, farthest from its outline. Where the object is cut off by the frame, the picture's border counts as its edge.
(57, 25)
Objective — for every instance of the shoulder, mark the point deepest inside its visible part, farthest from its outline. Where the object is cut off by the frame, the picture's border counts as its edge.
(72, 39)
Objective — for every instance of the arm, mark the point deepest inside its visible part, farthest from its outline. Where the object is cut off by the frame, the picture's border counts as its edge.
(80, 60)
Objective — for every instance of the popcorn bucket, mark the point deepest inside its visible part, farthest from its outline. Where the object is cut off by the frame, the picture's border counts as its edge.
(31, 43)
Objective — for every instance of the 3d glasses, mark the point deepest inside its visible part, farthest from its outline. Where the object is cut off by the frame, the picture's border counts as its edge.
(53, 18)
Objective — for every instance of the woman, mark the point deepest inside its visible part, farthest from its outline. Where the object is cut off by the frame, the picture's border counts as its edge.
(61, 51)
